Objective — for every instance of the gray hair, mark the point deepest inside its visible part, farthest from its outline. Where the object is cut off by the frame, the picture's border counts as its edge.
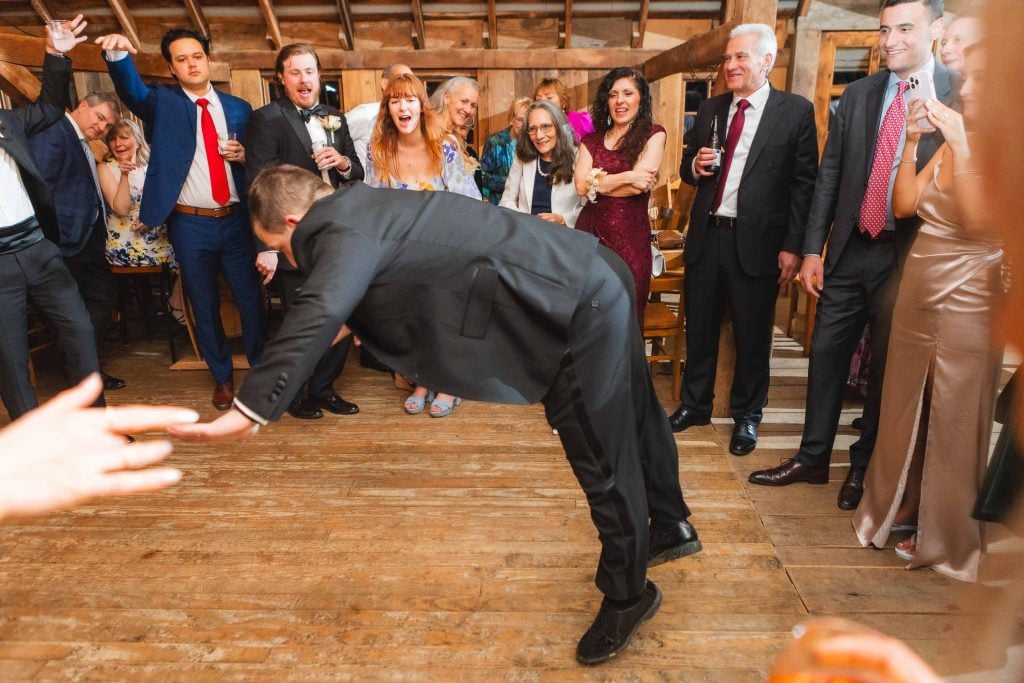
(454, 83)
(766, 41)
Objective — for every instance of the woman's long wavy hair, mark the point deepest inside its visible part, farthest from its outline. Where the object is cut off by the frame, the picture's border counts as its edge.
(563, 156)
(632, 143)
(384, 141)
(125, 125)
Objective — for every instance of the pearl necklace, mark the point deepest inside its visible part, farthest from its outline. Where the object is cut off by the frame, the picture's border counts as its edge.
(540, 168)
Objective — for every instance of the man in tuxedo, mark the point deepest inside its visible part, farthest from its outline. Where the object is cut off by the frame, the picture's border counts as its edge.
(196, 186)
(746, 228)
(526, 314)
(69, 168)
(31, 266)
(363, 117)
(284, 132)
(857, 282)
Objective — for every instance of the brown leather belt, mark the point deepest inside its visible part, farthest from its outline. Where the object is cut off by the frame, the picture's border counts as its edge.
(219, 212)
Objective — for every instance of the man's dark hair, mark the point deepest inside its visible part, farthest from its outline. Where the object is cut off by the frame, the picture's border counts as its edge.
(179, 33)
(289, 51)
(935, 7)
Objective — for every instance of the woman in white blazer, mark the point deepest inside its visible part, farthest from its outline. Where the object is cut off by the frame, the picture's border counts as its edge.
(540, 181)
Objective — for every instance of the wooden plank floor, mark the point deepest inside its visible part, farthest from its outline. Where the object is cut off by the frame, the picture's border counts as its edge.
(388, 547)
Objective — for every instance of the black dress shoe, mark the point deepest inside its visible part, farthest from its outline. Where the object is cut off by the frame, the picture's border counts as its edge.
(301, 409)
(858, 423)
(613, 628)
(684, 418)
(790, 472)
(744, 437)
(110, 383)
(853, 489)
(335, 404)
(671, 543)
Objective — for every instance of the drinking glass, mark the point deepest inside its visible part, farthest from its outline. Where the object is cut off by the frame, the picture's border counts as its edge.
(61, 34)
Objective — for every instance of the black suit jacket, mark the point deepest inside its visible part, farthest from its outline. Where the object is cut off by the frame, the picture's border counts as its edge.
(775, 188)
(452, 292)
(846, 163)
(17, 125)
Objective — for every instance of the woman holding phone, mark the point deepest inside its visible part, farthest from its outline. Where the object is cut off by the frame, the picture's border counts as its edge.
(940, 385)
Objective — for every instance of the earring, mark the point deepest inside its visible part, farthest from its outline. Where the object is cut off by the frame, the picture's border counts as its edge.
(609, 124)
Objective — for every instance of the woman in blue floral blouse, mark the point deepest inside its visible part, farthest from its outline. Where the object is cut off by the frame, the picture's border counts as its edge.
(500, 151)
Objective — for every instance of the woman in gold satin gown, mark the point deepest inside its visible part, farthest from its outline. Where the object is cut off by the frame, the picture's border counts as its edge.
(941, 379)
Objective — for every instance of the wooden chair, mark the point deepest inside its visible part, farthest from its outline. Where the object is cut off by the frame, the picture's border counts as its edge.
(136, 282)
(662, 323)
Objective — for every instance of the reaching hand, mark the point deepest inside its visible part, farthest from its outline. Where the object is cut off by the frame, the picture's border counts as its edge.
(115, 42)
(65, 452)
(266, 264)
(58, 45)
(231, 426)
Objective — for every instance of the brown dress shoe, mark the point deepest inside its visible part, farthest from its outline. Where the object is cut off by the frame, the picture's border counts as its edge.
(223, 395)
(853, 488)
(790, 472)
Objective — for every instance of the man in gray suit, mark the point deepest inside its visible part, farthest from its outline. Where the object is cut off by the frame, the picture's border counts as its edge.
(866, 246)
(526, 314)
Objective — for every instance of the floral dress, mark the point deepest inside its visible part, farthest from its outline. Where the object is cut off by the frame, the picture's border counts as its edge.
(456, 175)
(149, 246)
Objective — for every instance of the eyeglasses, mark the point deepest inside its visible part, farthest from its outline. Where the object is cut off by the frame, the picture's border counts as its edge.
(545, 128)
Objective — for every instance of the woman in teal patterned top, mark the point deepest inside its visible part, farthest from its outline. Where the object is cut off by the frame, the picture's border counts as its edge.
(409, 150)
(500, 151)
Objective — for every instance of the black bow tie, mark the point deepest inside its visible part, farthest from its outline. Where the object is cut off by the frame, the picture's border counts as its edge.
(307, 114)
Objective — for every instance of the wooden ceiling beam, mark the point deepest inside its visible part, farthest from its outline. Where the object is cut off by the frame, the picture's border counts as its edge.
(40, 7)
(549, 58)
(273, 27)
(29, 50)
(195, 12)
(698, 53)
(419, 35)
(565, 35)
(18, 81)
(347, 28)
(491, 41)
(640, 26)
(802, 7)
(127, 21)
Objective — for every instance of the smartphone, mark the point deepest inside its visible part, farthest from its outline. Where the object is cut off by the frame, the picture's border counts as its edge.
(922, 87)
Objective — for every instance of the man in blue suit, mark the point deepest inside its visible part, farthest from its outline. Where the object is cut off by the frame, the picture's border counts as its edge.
(196, 185)
(67, 164)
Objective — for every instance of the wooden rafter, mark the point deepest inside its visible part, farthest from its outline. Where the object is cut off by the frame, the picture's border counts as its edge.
(195, 12)
(347, 30)
(419, 36)
(40, 7)
(565, 35)
(492, 25)
(728, 10)
(640, 27)
(802, 7)
(698, 53)
(273, 27)
(126, 20)
(16, 79)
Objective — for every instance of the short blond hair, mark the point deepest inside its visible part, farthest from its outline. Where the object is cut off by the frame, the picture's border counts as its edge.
(280, 190)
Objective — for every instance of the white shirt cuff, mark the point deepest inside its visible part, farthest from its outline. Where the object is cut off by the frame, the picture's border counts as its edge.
(115, 55)
(247, 411)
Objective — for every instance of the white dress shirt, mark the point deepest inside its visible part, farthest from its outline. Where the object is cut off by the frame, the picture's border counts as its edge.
(317, 133)
(198, 188)
(16, 206)
(361, 120)
(730, 195)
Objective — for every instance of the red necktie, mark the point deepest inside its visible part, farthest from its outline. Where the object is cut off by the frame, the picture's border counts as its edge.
(731, 140)
(218, 176)
(875, 205)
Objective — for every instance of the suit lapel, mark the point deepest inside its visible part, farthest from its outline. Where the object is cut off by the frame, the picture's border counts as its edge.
(873, 118)
(298, 126)
(190, 108)
(770, 118)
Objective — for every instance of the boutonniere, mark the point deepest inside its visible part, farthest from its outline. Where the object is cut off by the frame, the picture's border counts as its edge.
(331, 123)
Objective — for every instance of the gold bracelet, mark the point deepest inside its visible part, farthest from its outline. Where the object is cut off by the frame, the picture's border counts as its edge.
(908, 161)
(969, 171)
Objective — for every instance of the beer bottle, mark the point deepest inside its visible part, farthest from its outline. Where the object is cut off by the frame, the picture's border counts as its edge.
(715, 143)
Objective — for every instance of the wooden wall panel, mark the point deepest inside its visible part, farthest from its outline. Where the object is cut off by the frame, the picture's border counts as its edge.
(667, 96)
(498, 91)
(359, 86)
(248, 84)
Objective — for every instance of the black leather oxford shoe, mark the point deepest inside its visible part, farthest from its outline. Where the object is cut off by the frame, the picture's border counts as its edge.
(613, 629)
(790, 472)
(744, 437)
(684, 418)
(303, 410)
(853, 489)
(671, 543)
(335, 404)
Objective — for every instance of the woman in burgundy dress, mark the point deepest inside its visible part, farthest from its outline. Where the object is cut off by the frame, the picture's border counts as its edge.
(616, 169)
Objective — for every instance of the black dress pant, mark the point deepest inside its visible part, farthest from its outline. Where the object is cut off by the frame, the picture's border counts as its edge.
(37, 273)
(320, 384)
(715, 281)
(96, 284)
(615, 433)
(861, 288)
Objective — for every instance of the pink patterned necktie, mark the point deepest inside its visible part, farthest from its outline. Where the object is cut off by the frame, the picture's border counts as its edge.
(875, 205)
(731, 140)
